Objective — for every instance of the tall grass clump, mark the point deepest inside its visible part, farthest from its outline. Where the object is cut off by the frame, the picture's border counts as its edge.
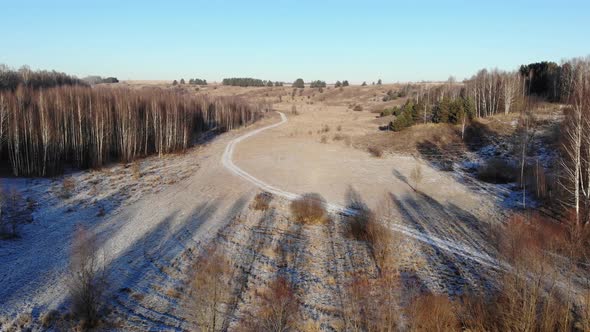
(42, 130)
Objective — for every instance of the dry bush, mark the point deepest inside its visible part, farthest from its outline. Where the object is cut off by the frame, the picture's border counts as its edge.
(88, 278)
(430, 312)
(358, 108)
(497, 170)
(210, 290)
(262, 201)
(68, 186)
(136, 170)
(526, 238)
(339, 128)
(324, 139)
(365, 226)
(310, 209)
(87, 127)
(278, 309)
(375, 151)
(294, 110)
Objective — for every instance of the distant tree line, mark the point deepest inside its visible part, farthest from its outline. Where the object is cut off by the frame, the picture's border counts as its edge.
(11, 79)
(41, 130)
(197, 81)
(317, 84)
(246, 81)
(99, 80)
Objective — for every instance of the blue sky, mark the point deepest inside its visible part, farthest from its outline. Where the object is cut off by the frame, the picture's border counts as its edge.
(283, 40)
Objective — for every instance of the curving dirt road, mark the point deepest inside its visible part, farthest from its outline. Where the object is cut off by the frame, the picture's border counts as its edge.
(450, 246)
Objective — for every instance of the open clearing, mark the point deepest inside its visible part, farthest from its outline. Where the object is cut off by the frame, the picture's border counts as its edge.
(152, 228)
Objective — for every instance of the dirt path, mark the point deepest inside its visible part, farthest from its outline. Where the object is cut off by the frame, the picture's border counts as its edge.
(460, 249)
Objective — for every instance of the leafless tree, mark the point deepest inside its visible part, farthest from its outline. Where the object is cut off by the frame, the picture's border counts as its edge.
(576, 146)
(510, 84)
(210, 290)
(44, 129)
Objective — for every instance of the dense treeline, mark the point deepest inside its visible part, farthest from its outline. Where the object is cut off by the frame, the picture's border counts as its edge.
(246, 81)
(11, 79)
(489, 92)
(42, 130)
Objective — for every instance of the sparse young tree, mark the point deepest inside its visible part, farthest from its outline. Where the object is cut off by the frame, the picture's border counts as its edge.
(338, 84)
(88, 277)
(345, 83)
(175, 82)
(364, 83)
(379, 82)
(416, 175)
(210, 291)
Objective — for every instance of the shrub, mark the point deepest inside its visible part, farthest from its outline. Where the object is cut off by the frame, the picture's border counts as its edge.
(497, 170)
(386, 112)
(10, 208)
(136, 170)
(357, 108)
(416, 176)
(375, 151)
(262, 201)
(310, 209)
(88, 279)
(364, 226)
(68, 186)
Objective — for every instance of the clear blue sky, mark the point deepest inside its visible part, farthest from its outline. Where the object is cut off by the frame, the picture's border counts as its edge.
(282, 40)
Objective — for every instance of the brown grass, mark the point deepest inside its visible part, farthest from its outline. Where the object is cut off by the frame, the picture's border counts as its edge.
(430, 312)
(310, 209)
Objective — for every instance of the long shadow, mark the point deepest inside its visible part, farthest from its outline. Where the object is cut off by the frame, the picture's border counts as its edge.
(42, 248)
(144, 263)
(355, 201)
(454, 272)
